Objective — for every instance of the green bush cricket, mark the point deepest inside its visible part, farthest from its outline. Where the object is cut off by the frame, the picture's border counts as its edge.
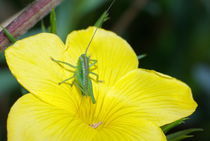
(82, 69)
(81, 74)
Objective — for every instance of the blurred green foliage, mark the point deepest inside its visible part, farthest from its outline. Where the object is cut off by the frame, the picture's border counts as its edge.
(175, 35)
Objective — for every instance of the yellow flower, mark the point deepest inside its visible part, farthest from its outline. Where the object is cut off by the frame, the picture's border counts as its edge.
(131, 103)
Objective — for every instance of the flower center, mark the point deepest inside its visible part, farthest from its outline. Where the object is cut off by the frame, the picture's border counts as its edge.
(95, 125)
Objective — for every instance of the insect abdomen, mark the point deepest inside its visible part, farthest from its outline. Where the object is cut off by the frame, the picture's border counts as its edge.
(82, 72)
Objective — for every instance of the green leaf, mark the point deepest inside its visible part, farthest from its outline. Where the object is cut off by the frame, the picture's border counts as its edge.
(23, 90)
(180, 135)
(104, 17)
(2, 58)
(141, 56)
(9, 35)
(53, 26)
(31, 32)
(85, 6)
(168, 127)
(7, 81)
(43, 27)
(70, 12)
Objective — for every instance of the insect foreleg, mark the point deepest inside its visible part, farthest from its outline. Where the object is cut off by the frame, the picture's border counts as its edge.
(93, 60)
(92, 64)
(97, 77)
(62, 62)
(65, 80)
(71, 84)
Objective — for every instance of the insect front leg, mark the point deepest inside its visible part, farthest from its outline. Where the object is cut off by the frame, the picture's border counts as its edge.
(93, 62)
(97, 77)
(71, 84)
(62, 62)
(66, 80)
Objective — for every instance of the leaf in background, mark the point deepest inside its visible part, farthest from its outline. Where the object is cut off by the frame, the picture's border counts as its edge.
(43, 27)
(31, 33)
(201, 73)
(53, 26)
(71, 11)
(170, 126)
(206, 4)
(180, 135)
(85, 6)
(2, 58)
(153, 8)
(199, 41)
(64, 18)
(141, 56)
(103, 18)
(23, 91)
(7, 81)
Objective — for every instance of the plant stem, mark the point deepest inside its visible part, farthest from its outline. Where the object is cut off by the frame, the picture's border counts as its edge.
(27, 19)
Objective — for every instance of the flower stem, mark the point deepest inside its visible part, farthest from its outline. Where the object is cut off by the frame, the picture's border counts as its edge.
(27, 19)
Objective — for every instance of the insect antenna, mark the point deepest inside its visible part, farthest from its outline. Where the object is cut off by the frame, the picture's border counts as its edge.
(104, 17)
(91, 40)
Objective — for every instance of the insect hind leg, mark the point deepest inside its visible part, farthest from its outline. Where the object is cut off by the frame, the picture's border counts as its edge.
(82, 90)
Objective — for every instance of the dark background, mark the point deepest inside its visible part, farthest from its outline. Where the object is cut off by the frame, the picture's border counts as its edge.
(175, 35)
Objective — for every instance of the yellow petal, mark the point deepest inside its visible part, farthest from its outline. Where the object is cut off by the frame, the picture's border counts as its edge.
(30, 62)
(116, 120)
(33, 120)
(130, 129)
(114, 55)
(160, 98)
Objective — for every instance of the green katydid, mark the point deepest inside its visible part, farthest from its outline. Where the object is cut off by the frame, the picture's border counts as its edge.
(82, 69)
(81, 74)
